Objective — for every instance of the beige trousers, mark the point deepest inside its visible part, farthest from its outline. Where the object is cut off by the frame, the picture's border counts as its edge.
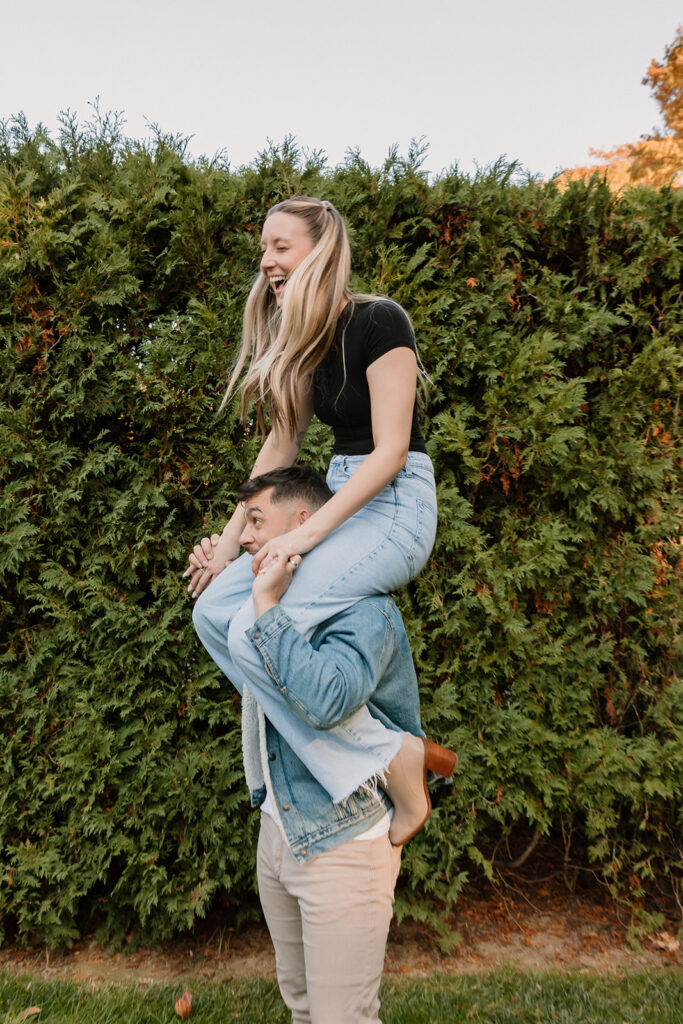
(328, 920)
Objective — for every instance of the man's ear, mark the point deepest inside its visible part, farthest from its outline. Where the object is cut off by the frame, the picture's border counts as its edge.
(303, 514)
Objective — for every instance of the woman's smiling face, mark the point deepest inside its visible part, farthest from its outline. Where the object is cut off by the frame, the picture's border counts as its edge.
(285, 242)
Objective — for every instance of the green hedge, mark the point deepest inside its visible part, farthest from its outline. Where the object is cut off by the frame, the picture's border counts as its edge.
(543, 627)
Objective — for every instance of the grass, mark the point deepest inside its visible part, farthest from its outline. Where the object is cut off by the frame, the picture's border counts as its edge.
(498, 997)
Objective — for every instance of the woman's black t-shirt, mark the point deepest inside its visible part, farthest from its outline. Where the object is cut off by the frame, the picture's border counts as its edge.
(363, 335)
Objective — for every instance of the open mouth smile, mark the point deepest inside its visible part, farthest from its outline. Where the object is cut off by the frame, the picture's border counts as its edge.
(278, 282)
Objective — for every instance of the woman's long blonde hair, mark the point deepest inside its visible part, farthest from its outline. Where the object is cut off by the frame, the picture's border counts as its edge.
(284, 345)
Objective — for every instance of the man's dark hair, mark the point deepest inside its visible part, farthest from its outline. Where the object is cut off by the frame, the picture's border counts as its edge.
(293, 483)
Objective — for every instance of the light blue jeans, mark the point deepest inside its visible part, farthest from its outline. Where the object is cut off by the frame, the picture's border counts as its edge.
(377, 550)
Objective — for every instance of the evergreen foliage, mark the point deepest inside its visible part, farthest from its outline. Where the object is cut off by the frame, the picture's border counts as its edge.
(544, 626)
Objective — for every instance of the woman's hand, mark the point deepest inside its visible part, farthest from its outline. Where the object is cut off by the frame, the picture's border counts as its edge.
(281, 549)
(207, 559)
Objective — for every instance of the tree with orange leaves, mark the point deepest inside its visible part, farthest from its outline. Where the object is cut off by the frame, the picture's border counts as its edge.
(655, 159)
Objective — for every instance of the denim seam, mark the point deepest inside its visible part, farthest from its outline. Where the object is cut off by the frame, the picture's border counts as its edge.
(292, 700)
(260, 640)
(416, 536)
(331, 827)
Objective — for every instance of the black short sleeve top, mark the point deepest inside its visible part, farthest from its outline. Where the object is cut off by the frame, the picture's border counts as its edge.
(366, 330)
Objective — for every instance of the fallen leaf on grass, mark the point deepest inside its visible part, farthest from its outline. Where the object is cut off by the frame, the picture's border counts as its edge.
(183, 1005)
(666, 941)
(25, 1014)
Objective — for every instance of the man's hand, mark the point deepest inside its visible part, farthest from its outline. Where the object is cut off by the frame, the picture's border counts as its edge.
(207, 559)
(272, 582)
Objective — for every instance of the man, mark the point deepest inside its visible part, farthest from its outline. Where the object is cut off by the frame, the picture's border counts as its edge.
(326, 871)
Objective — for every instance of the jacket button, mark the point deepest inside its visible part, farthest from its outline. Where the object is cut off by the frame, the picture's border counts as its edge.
(271, 757)
(285, 807)
(304, 852)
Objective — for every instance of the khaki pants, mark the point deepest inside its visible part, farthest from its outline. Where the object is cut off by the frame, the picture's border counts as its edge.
(328, 920)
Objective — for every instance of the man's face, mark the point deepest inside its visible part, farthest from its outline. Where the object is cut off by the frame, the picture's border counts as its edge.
(265, 520)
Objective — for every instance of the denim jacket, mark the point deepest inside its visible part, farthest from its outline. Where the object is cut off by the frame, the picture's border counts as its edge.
(360, 656)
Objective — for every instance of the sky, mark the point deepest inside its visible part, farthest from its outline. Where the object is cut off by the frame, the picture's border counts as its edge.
(535, 81)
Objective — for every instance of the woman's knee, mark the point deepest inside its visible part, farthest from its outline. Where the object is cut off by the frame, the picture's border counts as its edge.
(204, 615)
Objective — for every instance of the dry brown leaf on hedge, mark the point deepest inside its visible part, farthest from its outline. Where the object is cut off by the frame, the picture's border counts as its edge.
(183, 1005)
(666, 941)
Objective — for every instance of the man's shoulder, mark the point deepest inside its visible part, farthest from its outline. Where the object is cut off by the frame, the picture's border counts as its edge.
(373, 623)
(380, 609)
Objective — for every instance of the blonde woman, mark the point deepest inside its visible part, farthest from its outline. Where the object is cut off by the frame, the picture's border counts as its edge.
(311, 346)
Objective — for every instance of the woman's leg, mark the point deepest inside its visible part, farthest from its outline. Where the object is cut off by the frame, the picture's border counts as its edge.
(340, 758)
(214, 610)
(380, 548)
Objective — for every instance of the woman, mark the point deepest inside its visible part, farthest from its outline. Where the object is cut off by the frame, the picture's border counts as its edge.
(313, 346)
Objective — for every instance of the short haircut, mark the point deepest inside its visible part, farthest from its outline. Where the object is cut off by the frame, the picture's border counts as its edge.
(293, 483)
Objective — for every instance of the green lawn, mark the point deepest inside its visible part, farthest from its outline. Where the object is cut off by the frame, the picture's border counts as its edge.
(499, 997)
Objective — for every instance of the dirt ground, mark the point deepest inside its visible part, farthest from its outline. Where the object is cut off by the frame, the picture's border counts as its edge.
(530, 928)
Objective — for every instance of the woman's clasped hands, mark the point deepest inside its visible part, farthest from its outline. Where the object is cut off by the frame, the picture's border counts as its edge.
(207, 559)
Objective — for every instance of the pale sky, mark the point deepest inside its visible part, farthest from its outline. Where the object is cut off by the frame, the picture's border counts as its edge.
(536, 81)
